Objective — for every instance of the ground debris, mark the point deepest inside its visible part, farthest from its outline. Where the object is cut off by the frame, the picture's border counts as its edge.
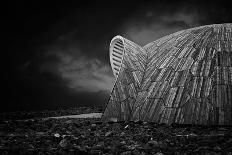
(91, 136)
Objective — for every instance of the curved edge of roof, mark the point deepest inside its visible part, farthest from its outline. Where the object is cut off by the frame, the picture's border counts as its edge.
(116, 37)
(189, 29)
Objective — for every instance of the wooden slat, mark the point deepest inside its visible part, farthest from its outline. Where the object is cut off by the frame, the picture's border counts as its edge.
(185, 77)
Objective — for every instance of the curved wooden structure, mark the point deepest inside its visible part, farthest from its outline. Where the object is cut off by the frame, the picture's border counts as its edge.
(183, 78)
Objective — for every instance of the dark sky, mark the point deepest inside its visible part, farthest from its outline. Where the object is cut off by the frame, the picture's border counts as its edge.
(57, 53)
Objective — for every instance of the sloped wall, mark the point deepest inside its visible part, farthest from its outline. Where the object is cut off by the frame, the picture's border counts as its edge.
(184, 78)
(124, 96)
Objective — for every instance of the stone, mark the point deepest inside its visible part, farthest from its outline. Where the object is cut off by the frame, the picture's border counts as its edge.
(57, 135)
(63, 143)
(108, 133)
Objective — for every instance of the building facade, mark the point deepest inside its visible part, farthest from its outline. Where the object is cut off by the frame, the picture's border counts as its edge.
(183, 78)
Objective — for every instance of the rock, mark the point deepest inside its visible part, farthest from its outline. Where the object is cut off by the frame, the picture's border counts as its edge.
(171, 143)
(208, 140)
(153, 143)
(126, 153)
(137, 121)
(11, 135)
(108, 133)
(144, 123)
(159, 153)
(63, 143)
(40, 133)
(113, 120)
(93, 125)
(108, 154)
(192, 135)
(97, 134)
(123, 142)
(57, 135)
(132, 147)
(81, 149)
(83, 136)
(63, 136)
(143, 153)
(217, 148)
(161, 144)
(31, 146)
(68, 121)
(68, 132)
(135, 152)
(122, 134)
(208, 152)
(98, 122)
(77, 125)
(95, 151)
(126, 127)
(99, 146)
(222, 129)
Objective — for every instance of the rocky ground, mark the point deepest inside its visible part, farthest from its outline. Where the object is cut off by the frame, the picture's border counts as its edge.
(46, 113)
(91, 136)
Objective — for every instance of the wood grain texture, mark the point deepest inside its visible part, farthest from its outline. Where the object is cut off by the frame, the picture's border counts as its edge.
(184, 78)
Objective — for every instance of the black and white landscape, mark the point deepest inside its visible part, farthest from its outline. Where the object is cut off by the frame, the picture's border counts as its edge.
(56, 66)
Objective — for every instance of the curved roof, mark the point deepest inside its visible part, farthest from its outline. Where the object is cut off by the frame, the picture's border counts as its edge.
(185, 77)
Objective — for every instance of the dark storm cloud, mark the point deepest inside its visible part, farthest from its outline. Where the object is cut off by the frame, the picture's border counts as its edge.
(82, 51)
(58, 53)
(152, 23)
(155, 20)
(84, 74)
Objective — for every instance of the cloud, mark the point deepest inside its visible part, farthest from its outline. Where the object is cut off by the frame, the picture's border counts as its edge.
(90, 74)
(144, 34)
(153, 26)
(64, 63)
(84, 70)
(84, 74)
(189, 19)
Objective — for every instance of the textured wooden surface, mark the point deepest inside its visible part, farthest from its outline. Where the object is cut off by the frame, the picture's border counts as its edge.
(184, 78)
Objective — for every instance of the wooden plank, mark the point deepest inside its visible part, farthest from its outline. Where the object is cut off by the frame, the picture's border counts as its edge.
(185, 77)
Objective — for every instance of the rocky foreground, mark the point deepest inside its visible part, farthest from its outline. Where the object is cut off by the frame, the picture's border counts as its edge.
(90, 136)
